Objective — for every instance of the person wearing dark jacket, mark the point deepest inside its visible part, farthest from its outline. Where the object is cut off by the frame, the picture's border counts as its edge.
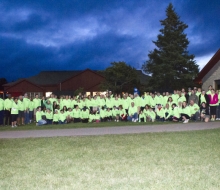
(203, 97)
(193, 97)
(204, 112)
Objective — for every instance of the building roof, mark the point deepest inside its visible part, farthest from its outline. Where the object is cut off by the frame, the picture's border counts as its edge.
(212, 62)
(52, 77)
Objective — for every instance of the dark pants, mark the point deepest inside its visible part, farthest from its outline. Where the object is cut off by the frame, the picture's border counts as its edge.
(159, 119)
(218, 111)
(1, 117)
(85, 120)
(7, 117)
(195, 117)
(185, 115)
(49, 121)
(213, 110)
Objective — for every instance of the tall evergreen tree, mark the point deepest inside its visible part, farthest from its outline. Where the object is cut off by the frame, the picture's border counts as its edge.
(170, 64)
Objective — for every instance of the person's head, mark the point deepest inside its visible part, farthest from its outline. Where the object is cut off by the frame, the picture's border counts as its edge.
(38, 108)
(132, 104)
(173, 105)
(195, 89)
(210, 87)
(159, 106)
(199, 90)
(213, 91)
(170, 99)
(203, 92)
(184, 104)
(192, 92)
(36, 96)
(203, 104)
(167, 106)
(61, 111)
(191, 102)
(189, 89)
(20, 97)
(48, 110)
(15, 100)
(64, 108)
(25, 95)
(183, 90)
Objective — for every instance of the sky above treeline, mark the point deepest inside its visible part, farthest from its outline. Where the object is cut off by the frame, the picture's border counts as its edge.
(39, 35)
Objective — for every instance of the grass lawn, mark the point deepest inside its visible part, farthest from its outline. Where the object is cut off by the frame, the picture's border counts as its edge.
(178, 160)
(79, 125)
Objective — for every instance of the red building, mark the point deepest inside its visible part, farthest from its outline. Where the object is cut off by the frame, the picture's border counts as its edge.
(57, 82)
(210, 74)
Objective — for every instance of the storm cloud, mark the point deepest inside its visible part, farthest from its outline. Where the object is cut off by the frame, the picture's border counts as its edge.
(75, 35)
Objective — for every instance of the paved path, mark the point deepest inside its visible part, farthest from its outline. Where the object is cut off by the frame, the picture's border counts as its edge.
(109, 130)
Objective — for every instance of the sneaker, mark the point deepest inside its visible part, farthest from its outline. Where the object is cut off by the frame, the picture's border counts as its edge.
(15, 125)
(12, 126)
(132, 119)
(186, 121)
(117, 120)
(36, 124)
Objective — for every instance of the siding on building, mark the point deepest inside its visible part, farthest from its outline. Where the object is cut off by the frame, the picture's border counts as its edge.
(211, 76)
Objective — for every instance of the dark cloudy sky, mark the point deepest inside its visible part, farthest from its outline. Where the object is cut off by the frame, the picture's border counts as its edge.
(38, 35)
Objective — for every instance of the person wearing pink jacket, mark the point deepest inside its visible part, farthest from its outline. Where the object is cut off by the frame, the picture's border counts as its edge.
(213, 103)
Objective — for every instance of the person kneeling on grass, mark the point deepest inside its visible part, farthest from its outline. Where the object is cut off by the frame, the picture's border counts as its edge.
(176, 114)
(204, 110)
(160, 113)
(49, 116)
(142, 117)
(132, 113)
(85, 115)
(62, 117)
(56, 117)
(151, 115)
(39, 119)
(115, 114)
(185, 112)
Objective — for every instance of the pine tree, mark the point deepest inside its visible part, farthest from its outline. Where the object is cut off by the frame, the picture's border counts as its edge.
(170, 64)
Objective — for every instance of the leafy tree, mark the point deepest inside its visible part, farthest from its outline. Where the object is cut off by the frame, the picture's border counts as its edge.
(120, 77)
(170, 64)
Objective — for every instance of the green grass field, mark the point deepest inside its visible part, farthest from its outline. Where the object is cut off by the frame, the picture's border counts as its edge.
(178, 160)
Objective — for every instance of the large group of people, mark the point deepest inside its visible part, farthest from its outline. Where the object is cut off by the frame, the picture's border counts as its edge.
(179, 106)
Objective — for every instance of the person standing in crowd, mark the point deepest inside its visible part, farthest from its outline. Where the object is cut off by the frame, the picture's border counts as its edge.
(213, 102)
(37, 103)
(203, 97)
(31, 110)
(210, 89)
(14, 113)
(193, 97)
(7, 106)
(21, 108)
(218, 106)
(1, 111)
(26, 109)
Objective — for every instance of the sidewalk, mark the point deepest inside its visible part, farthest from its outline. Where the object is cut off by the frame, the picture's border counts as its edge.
(109, 130)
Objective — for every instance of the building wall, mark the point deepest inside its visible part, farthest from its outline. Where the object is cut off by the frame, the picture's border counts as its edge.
(211, 76)
(86, 80)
